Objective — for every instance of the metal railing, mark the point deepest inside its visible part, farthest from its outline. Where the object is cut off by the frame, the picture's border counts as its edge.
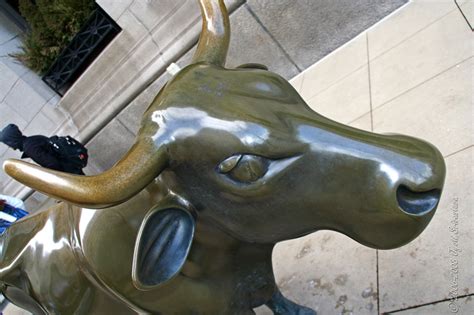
(94, 36)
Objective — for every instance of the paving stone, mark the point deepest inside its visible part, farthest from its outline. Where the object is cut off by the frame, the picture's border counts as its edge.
(11, 47)
(152, 13)
(439, 111)
(34, 80)
(334, 67)
(463, 306)
(55, 113)
(4, 178)
(297, 81)
(132, 115)
(328, 272)
(24, 100)
(7, 80)
(406, 22)
(183, 18)
(9, 116)
(40, 125)
(109, 145)
(424, 55)
(308, 30)
(346, 100)
(363, 123)
(441, 258)
(467, 9)
(246, 33)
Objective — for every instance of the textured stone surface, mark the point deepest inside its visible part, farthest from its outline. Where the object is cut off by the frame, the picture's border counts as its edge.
(346, 100)
(346, 284)
(152, 13)
(109, 145)
(404, 23)
(8, 29)
(7, 79)
(132, 115)
(41, 88)
(8, 115)
(24, 100)
(439, 111)
(5, 180)
(463, 306)
(467, 8)
(41, 125)
(423, 271)
(308, 30)
(10, 47)
(250, 43)
(421, 57)
(335, 67)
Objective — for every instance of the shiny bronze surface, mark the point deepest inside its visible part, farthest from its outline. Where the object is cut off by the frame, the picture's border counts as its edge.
(227, 163)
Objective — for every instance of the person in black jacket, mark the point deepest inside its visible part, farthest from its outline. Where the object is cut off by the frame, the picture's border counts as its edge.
(38, 148)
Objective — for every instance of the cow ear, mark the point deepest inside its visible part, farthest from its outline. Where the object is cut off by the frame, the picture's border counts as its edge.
(162, 245)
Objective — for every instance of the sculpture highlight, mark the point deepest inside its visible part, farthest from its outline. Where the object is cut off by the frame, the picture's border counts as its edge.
(227, 163)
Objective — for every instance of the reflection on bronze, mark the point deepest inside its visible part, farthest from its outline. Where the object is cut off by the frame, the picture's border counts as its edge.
(227, 163)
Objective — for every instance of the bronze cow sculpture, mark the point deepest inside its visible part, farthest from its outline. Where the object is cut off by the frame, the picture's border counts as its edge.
(227, 163)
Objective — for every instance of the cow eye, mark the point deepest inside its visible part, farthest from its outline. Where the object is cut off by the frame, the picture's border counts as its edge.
(245, 168)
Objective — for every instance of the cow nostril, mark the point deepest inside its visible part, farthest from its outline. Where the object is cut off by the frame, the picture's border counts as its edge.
(417, 203)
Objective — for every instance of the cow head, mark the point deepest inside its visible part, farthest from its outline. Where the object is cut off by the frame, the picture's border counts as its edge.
(254, 159)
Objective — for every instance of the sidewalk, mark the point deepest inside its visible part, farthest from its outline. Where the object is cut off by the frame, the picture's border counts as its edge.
(412, 73)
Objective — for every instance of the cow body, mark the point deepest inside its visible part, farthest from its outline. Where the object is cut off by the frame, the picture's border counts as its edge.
(74, 246)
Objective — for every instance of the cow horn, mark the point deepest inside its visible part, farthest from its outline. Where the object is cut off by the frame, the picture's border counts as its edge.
(215, 35)
(129, 176)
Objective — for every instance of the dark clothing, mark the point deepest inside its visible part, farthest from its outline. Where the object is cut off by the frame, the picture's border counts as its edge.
(12, 137)
(38, 149)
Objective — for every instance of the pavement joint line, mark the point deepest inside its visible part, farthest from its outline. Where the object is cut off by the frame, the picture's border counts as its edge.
(124, 10)
(126, 127)
(377, 278)
(372, 129)
(300, 85)
(167, 17)
(421, 83)
(458, 151)
(183, 33)
(413, 34)
(357, 118)
(9, 90)
(370, 84)
(460, 10)
(426, 304)
(140, 22)
(255, 16)
(333, 84)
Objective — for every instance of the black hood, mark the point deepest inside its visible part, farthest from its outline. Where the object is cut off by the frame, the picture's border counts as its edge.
(12, 137)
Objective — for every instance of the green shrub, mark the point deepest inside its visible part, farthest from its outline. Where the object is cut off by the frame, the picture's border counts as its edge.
(53, 24)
